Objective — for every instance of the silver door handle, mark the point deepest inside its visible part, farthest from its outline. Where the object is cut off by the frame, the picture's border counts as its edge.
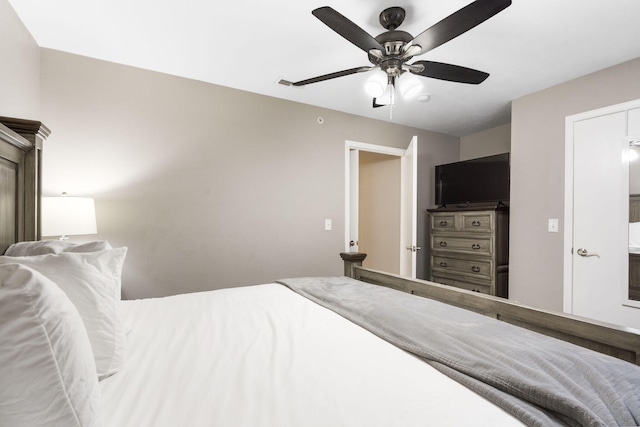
(413, 248)
(585, 253)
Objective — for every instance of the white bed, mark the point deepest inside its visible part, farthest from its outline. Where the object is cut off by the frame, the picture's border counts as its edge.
(74, 354)
(266, 356)
(255, 356)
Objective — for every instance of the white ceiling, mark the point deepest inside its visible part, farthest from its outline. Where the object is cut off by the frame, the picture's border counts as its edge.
(251, 45)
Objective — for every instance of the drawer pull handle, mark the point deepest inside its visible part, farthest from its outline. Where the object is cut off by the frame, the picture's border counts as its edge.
(475, 246)
(443, 264)
(443, 223)
(443, 244)
(476, 223)
(475, 269)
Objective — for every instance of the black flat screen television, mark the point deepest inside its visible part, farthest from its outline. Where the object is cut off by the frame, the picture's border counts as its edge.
(482, 180)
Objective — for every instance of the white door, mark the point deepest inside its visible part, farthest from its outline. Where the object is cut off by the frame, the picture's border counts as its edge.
(354, 197)
(408, 213)
(599, 250)
(597, 218)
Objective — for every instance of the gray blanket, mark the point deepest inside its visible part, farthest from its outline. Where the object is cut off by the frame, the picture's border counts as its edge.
(540, 380)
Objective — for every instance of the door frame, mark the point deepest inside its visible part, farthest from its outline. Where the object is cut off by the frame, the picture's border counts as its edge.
(361, 146)
(567, 297)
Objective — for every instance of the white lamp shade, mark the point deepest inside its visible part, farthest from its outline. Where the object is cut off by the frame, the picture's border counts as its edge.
(63, 216)
(376, 84)
(410, 85)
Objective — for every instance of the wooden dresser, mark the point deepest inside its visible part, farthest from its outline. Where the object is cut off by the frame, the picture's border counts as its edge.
(469, 248)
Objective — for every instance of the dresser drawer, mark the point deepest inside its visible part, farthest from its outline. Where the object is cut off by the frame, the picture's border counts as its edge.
(481, 269)
(483, 288)
(475, 222)
(443, 222)
(463, 245)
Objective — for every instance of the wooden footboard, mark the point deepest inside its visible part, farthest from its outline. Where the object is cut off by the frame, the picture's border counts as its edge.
(617, 341)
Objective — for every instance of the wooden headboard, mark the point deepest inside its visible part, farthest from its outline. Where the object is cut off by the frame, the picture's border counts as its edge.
(20, 179)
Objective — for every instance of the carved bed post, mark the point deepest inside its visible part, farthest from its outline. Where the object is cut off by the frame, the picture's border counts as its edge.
(351, 260)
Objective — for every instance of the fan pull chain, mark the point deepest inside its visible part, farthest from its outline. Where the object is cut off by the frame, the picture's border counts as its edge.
(392, 98)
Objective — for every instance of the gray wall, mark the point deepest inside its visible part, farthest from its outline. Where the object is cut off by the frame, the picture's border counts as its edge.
(537, 176)
(208, 186)
(20, 70)
(492, 141)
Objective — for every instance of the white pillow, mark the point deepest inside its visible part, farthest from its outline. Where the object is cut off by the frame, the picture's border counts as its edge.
(47, 370)
(42, 247)
(92, 281)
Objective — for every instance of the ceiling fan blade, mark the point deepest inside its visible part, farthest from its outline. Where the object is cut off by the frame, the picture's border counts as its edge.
(347, 29)
(448, 72)
(332, 76)
(458, 23)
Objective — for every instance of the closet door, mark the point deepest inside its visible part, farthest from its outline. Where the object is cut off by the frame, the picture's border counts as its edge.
(599, 247)
(600, 217)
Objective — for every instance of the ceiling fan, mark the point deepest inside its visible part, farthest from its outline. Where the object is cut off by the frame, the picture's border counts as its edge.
(391, 50)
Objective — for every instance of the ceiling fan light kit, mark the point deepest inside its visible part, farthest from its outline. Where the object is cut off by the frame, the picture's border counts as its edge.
(376, 84)
(379, 82)
(390, 51)
(410, 86)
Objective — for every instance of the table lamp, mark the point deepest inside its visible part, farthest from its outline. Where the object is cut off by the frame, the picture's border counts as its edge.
(68, 216)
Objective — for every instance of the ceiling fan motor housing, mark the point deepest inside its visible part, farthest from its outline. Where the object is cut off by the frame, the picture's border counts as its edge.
(394, 41)
(393, 57)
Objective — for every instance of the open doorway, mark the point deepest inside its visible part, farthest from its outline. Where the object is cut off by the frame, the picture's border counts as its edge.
(379, 210)
(386, 211)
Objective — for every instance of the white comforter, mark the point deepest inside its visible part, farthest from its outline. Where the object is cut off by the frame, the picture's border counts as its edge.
(266, 356)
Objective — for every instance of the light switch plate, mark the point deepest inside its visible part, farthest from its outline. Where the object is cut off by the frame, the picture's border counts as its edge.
(327, 225)
(553, 225)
